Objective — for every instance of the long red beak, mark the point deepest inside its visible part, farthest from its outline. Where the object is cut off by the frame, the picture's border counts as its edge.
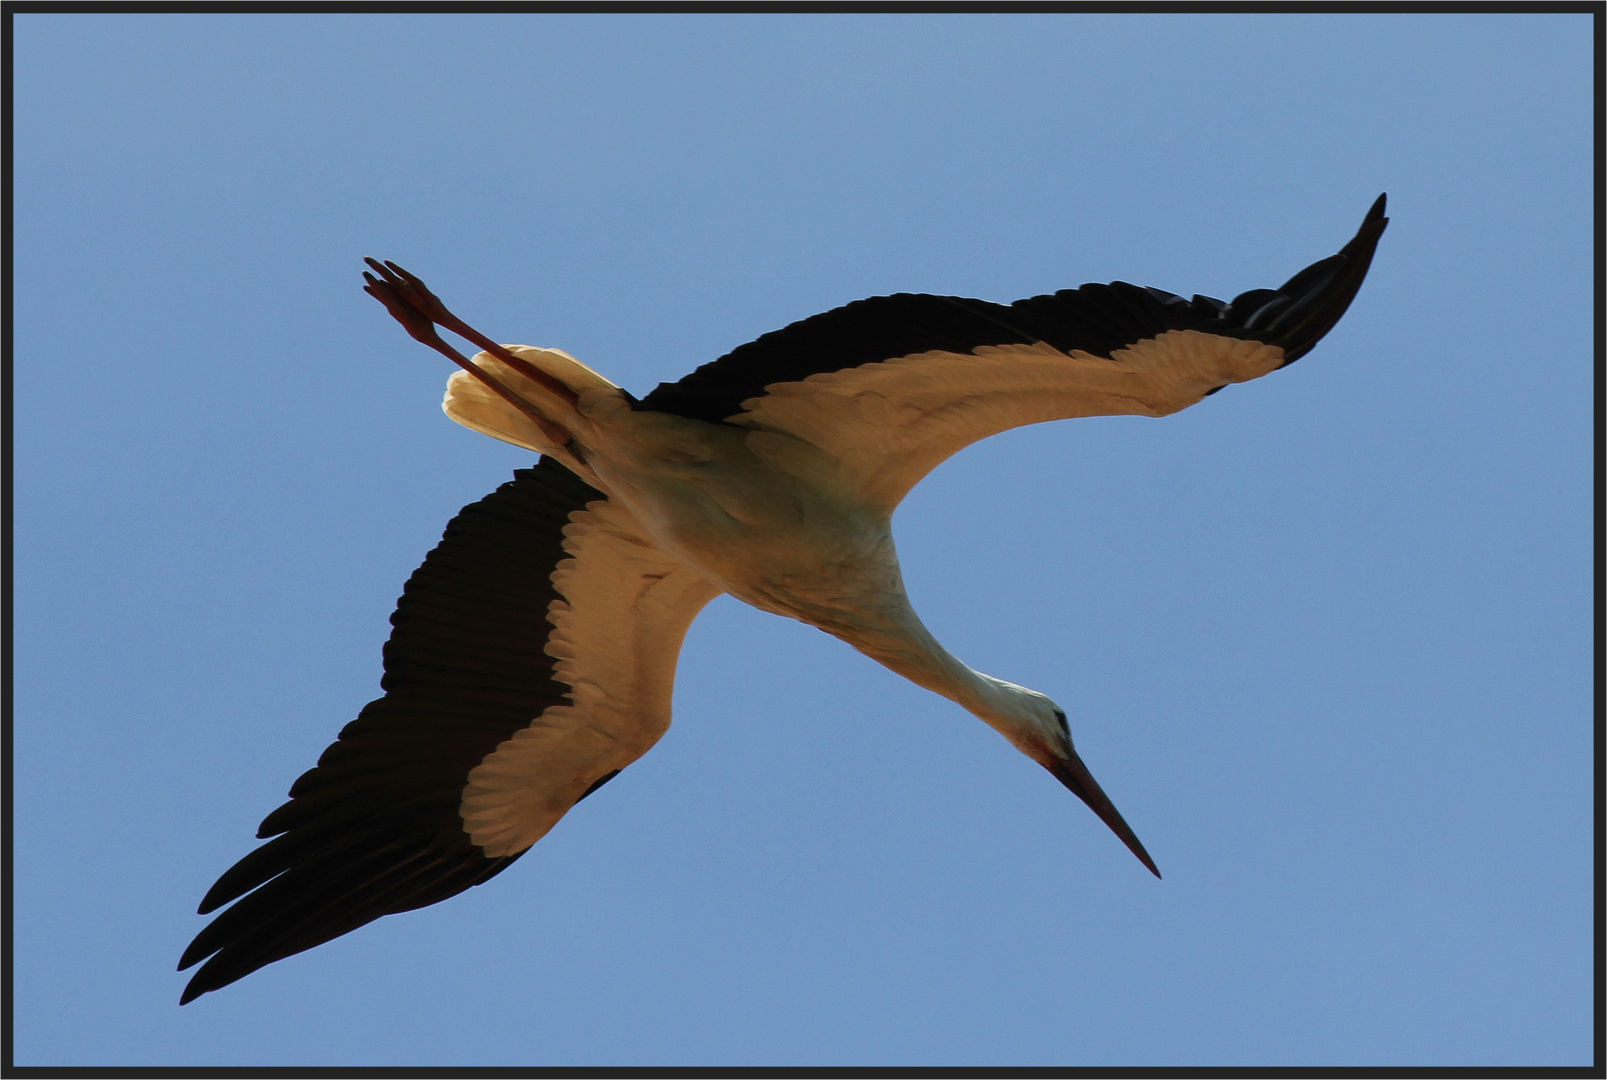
(1081, 783)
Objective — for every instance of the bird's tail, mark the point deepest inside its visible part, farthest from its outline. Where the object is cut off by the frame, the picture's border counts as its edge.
(472, 404)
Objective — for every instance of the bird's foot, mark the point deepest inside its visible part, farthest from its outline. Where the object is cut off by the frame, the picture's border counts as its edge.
(399, 299)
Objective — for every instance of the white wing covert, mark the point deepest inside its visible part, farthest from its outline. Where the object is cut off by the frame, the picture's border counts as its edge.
(623, 610)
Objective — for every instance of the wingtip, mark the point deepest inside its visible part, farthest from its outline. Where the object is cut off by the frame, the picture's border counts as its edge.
(193, 989)
(1372, 227)
(1374, 224)
(1300, 325)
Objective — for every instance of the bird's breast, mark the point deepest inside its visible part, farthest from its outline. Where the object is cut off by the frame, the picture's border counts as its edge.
(764, 528)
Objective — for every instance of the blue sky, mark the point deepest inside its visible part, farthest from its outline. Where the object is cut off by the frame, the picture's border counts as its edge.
(1324, 638)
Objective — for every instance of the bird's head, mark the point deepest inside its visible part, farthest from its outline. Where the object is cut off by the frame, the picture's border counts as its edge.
(1038, 728)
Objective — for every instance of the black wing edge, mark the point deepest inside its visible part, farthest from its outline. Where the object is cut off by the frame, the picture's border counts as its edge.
(1096, 318)
(374, 828)
(1317, 297)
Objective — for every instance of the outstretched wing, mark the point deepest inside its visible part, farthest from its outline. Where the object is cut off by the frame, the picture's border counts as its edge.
(533, 657)
(891, 386)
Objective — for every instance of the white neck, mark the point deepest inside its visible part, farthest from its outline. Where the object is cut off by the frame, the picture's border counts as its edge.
(901, 642)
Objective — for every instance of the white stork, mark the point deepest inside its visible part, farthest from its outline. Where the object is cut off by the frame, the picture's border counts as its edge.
(534, 651)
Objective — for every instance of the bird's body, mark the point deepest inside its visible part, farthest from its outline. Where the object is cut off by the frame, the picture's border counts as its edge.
(534, 651)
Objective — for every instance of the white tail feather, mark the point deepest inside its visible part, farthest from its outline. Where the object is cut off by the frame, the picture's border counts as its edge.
(479, 408)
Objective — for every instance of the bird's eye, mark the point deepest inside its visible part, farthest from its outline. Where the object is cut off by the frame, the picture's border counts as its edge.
(1060, 718)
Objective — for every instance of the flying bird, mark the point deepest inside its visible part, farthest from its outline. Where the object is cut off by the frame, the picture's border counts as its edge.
(533, 653)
